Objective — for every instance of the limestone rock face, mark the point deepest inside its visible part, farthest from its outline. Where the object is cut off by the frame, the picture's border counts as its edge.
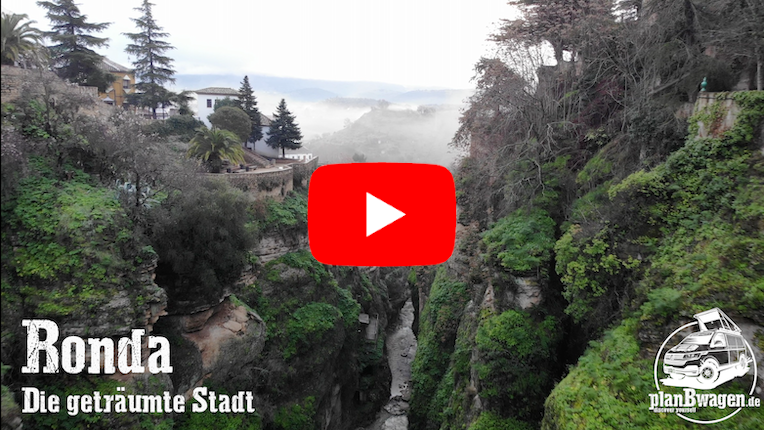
(273, 245)
(217, 343)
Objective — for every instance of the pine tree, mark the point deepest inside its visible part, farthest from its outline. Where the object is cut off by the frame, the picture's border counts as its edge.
(284, 132)
(71, 56)
(152, 68)
(248, 103)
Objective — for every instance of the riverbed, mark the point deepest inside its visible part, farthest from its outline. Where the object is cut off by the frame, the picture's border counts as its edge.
(401, 349)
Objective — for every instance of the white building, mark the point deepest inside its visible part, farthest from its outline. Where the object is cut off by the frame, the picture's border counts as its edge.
(260, 147)
(205, 105)
(205, 101)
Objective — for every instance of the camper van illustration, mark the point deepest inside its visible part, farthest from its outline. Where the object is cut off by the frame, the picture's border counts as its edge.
(710, 357)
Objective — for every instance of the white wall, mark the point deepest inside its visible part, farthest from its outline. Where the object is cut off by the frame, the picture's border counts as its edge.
(263, 149)
(202, 111)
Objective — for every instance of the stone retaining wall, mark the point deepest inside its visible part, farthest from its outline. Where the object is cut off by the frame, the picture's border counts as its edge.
(728, 112)
(13, 78)
(275, 183)
(303, 172)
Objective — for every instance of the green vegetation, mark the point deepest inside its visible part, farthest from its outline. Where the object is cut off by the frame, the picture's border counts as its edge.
(694, 221)
(612, 381)
(73, 245)
(582, 179)
(288, 216)
(517, 358)
(349, 307)
(213, 145)
(208, 420)
(490, 421)
(438, 327)
(202, 239)
(298, 416)
(247, 102)
(72, 38)
(284, 132)
(181, 126)
(522, 241)
(589, 268)
(308, 326)
(19, 41)
(233, 119)
(153, 69)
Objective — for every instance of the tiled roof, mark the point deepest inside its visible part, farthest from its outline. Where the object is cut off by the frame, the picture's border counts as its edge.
(218, 91)
(111, 66)
(265, 121)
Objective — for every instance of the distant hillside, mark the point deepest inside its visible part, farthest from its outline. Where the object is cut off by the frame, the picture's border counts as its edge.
(310, 95)
(311, 90)
(350, 102)
(287, 85)
(432, 97)
(393, 135)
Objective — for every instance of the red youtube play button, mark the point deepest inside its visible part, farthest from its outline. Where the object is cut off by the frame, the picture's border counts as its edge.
(381, 214)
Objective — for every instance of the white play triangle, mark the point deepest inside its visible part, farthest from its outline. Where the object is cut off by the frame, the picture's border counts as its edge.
(379, 214)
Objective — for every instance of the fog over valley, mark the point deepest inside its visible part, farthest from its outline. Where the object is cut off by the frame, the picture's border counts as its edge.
(379, 121)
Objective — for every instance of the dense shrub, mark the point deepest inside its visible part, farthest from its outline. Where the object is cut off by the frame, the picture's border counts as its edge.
(70, 245)
(517, 357)
(522, 241)
(202, 238)
(490, 421)
(298, 416)
(308, 326)
(181, 126)
(232, 119)
(437, 335)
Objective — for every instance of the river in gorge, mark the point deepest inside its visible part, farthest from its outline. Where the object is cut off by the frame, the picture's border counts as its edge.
(401, 348)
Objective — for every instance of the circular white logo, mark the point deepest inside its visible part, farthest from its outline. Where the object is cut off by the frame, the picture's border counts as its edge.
(703, 360)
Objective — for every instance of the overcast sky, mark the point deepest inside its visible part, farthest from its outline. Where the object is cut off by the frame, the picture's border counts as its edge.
(416, 43)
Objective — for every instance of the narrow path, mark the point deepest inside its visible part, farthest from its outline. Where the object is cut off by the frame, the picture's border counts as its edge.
(401, 349)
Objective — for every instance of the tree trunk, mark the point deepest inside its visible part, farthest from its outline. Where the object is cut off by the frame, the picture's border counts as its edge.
(137, 192)
(283, 152)
(759, 71)
(558, 54)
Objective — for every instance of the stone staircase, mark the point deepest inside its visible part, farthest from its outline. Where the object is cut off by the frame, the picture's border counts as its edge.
(251, 157)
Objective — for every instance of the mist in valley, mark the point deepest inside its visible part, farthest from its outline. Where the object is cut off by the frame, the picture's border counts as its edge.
(375, 121)
(391, 133)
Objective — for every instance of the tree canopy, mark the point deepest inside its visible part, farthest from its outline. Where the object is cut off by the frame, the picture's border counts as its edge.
(564, 24)
(284, 132)
(248, 103)
(219, 103)
(232, 119)
(71, 53)
(153, 69)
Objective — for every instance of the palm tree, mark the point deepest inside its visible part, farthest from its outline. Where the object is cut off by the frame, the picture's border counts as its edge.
(18, 39)
(213, 145)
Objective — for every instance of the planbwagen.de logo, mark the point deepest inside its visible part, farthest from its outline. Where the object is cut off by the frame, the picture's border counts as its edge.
(702, 364)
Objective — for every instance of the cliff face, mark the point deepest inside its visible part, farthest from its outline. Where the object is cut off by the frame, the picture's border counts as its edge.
(504, 324)
(307, 339)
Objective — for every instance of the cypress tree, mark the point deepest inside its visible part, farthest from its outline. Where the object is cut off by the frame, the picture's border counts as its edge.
(248, 103)
(152, 68)
(71, 55)
(284, 132)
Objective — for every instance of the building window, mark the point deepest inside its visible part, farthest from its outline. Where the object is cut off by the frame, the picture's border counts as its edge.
(209, 103)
